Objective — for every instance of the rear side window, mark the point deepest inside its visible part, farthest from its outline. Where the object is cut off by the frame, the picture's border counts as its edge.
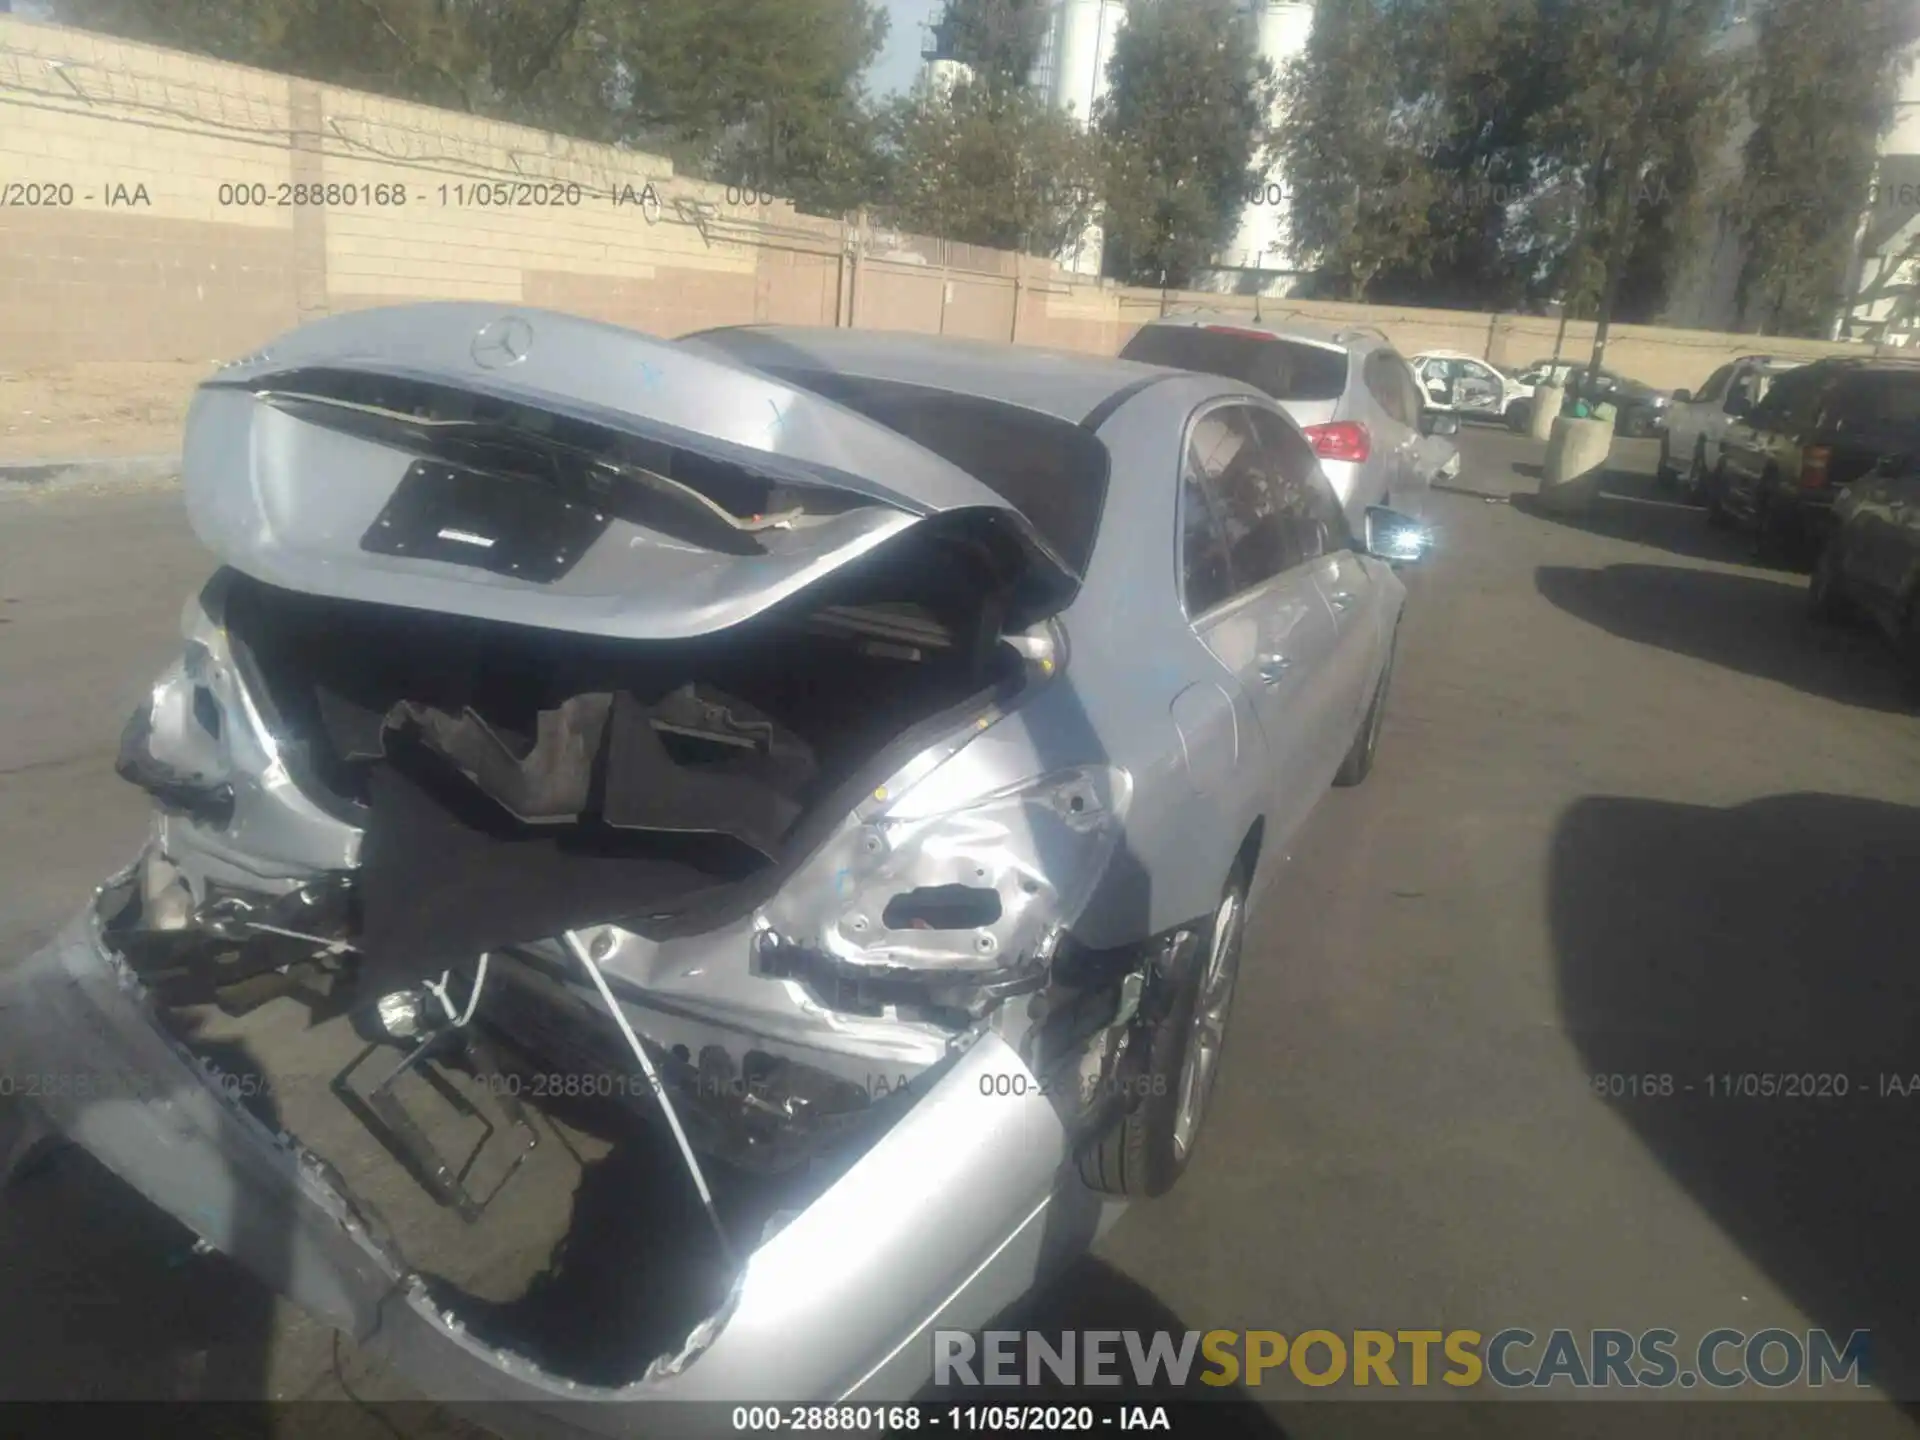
(1284, 369)
(1239, 481)
(1308, 505)
(1388, 386)
(1878, 402)
(1052, 471)
(1793, 401)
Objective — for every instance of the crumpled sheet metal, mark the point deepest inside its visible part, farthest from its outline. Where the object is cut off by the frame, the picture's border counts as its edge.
(1040, 847)
(274, 826)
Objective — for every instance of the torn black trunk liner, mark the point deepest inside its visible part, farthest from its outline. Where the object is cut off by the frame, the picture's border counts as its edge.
(513, 782)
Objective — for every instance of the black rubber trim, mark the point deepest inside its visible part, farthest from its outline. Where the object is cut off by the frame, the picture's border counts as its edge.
(1103, 412)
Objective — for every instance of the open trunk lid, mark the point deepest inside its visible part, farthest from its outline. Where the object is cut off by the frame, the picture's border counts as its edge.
(532, 467)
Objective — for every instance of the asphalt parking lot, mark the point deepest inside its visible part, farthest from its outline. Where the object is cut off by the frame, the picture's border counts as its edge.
(1633, 815)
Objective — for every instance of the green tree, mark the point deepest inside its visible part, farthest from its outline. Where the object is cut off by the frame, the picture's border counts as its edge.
(1598, 70)
(990, 166)
(1185, 115)
(999, 40)
(1462, 152)
(1360, 191)
(765, 91)
(1821, 93)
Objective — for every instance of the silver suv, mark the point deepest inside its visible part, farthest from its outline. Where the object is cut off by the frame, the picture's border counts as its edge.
(1353, 394)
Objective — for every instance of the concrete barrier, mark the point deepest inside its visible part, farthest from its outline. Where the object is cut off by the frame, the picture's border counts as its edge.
(1576, 460)
(1546, 409)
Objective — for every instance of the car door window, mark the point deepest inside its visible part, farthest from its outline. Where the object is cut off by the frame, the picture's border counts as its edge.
(1793, 407)
(1716, 386)
(1478, 385)
(1385, 388)
(1311, 509)
(1240, 479)
(1747, 388)
(1206, 575)
(1411, 400)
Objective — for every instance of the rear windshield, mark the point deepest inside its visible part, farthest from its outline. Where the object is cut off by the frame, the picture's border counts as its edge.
(1284, 369)
(1050, 470)
(1882, 402)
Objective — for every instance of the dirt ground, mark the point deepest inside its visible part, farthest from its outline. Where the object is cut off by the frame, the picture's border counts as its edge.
(95, 410)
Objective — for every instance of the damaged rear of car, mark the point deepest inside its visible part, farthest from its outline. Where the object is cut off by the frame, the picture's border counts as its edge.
(609, 928)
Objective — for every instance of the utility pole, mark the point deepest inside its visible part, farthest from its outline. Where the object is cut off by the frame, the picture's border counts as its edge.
(1619, 233)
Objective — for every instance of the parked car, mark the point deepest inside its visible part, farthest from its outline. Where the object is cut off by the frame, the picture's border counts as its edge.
(1820, 427)
(1472, 388)
(1639, 409)
(1352, 393)
(804, 789)
(1870, 565)
(1696, 423)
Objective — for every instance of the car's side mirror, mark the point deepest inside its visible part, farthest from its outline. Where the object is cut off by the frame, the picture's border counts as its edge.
(1680, 397)
(1396, 538)
(1436, 422)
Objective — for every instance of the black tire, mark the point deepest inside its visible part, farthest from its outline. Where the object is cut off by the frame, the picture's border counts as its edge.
(1366, 740)
(1520, 416)
(1148, 1148)
(1907, 645)
(1777, 540)
(1718, 515)
(1826, 594)
(1664, 474)
(1693, 485)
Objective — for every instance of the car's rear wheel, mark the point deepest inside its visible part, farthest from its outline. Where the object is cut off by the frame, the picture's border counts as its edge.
(1366, 741)
(1826, 593)
(1694, 486)
(1663, 472)
(1718, 515)
(1776, 539)
(1908, 644)
(1149, 1147)
(1520, 416)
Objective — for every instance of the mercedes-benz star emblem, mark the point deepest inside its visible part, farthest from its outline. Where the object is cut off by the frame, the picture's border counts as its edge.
(505, 341)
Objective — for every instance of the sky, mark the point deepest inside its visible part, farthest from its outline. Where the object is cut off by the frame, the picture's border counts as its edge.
(899, 62)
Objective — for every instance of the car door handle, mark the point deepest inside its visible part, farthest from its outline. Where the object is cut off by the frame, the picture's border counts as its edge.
(1273, 669)
(1340, 600)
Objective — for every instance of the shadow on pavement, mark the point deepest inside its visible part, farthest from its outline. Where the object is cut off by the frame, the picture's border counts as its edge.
(107, 1301)
(1633, 508)
(1750, 623)
(1774, 938)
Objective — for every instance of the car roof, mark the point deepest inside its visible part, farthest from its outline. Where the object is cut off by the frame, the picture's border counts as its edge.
(1885, 364)
(1066, 384)
(1336, 337)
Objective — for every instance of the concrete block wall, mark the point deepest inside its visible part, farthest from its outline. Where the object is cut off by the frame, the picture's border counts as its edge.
(157, 216)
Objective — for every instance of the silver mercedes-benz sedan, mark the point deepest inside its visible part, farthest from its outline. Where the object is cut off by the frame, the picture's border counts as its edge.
(679, 867)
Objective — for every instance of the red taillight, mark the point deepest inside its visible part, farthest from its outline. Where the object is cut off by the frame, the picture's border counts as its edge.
(1813, 466)
(1342, 440)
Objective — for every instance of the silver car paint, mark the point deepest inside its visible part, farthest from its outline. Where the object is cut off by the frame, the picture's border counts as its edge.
(1142, 714)
(947, 1219)
(247, 463)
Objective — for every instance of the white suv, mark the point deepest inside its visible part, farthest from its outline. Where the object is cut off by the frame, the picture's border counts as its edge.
(1469, 387)
(1697, 423)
